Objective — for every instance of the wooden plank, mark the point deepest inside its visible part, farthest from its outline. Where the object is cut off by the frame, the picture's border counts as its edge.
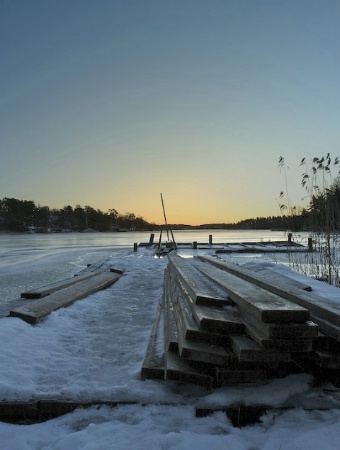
(198, 351)
(170, 328)
(247, 350)
(273, 277)
(201, 290)
(153, 364)
(224, 320)
(225, 377)
(117, 270)
(263, 305)
(328, 328)
(44, 291)
(192, 331)
(319, 307)
(184, 371)
(326, 360)
(305, 330)
(239, 415)
(39, 309)
(290, 345)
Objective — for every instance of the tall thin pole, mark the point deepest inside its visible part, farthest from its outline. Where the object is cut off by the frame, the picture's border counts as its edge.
(166, 224)
(165, 221)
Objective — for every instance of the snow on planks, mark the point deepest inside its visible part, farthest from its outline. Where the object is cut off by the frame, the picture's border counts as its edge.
(37, 310)
(324, 312)
(235, 343)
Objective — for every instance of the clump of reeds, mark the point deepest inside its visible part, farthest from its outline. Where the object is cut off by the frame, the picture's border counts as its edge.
(321, 219)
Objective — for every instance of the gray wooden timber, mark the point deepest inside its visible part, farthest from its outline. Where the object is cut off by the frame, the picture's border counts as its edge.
(21, 412)
(225, 377)
(273, 277)
(291, 345)
(198, 351)
(44, 291)
(153, 364)
(213, 318)
(253, 300)
(170, 328)
(319, 307)
(201, 290)
(305, 330)
(192, 331)
(328, 328)
(37, 310)
(326, 360)
(117, 270)
(181, 370)
(248, 350)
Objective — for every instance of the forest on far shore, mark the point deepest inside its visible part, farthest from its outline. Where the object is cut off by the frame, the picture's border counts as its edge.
(24, 215)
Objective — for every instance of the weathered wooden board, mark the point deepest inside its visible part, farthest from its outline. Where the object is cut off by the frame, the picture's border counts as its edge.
(247, 350)
(117, 270)
(181, 370)
(192, 331)
(225, 377)
(44, 291)
(170, 328)
(261, 276)
(318, 306)
(39, 309)
(198, 351)
(328, 328)
(253, 300)
(290, 345)
(273, 277)
(305, 330)
(153, 364)
(326, 360)
(201, 290)
(214, 318)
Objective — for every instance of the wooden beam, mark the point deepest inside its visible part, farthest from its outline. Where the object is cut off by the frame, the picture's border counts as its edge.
(319, 307)
(153, 364)
(253, 300)
(37, 310)
(44, 291)
(200, 289)
(248, 350)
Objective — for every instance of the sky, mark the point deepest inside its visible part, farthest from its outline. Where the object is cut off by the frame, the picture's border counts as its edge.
(110, 103)
(68, 356)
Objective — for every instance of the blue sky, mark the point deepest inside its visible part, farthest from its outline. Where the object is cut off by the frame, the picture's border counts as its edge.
(110, 103)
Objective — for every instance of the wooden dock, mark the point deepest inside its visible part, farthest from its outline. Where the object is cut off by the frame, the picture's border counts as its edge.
(283, 246)
(226, 325)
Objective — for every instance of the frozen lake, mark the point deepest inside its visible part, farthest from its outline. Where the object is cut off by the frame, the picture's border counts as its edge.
(28, 261)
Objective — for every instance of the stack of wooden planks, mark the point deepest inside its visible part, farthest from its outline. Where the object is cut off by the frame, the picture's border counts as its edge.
(221, 327)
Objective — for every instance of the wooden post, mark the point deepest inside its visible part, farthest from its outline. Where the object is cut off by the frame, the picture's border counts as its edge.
(152, 236)
(310, 244)
(194, 245)
(210, 239)
(135, 247)
(289, 238)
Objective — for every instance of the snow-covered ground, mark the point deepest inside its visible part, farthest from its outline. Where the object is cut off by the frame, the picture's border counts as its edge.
(94, 349)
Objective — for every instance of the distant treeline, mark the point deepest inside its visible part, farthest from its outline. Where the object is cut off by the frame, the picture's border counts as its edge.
(25, 215)
(323, 213)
